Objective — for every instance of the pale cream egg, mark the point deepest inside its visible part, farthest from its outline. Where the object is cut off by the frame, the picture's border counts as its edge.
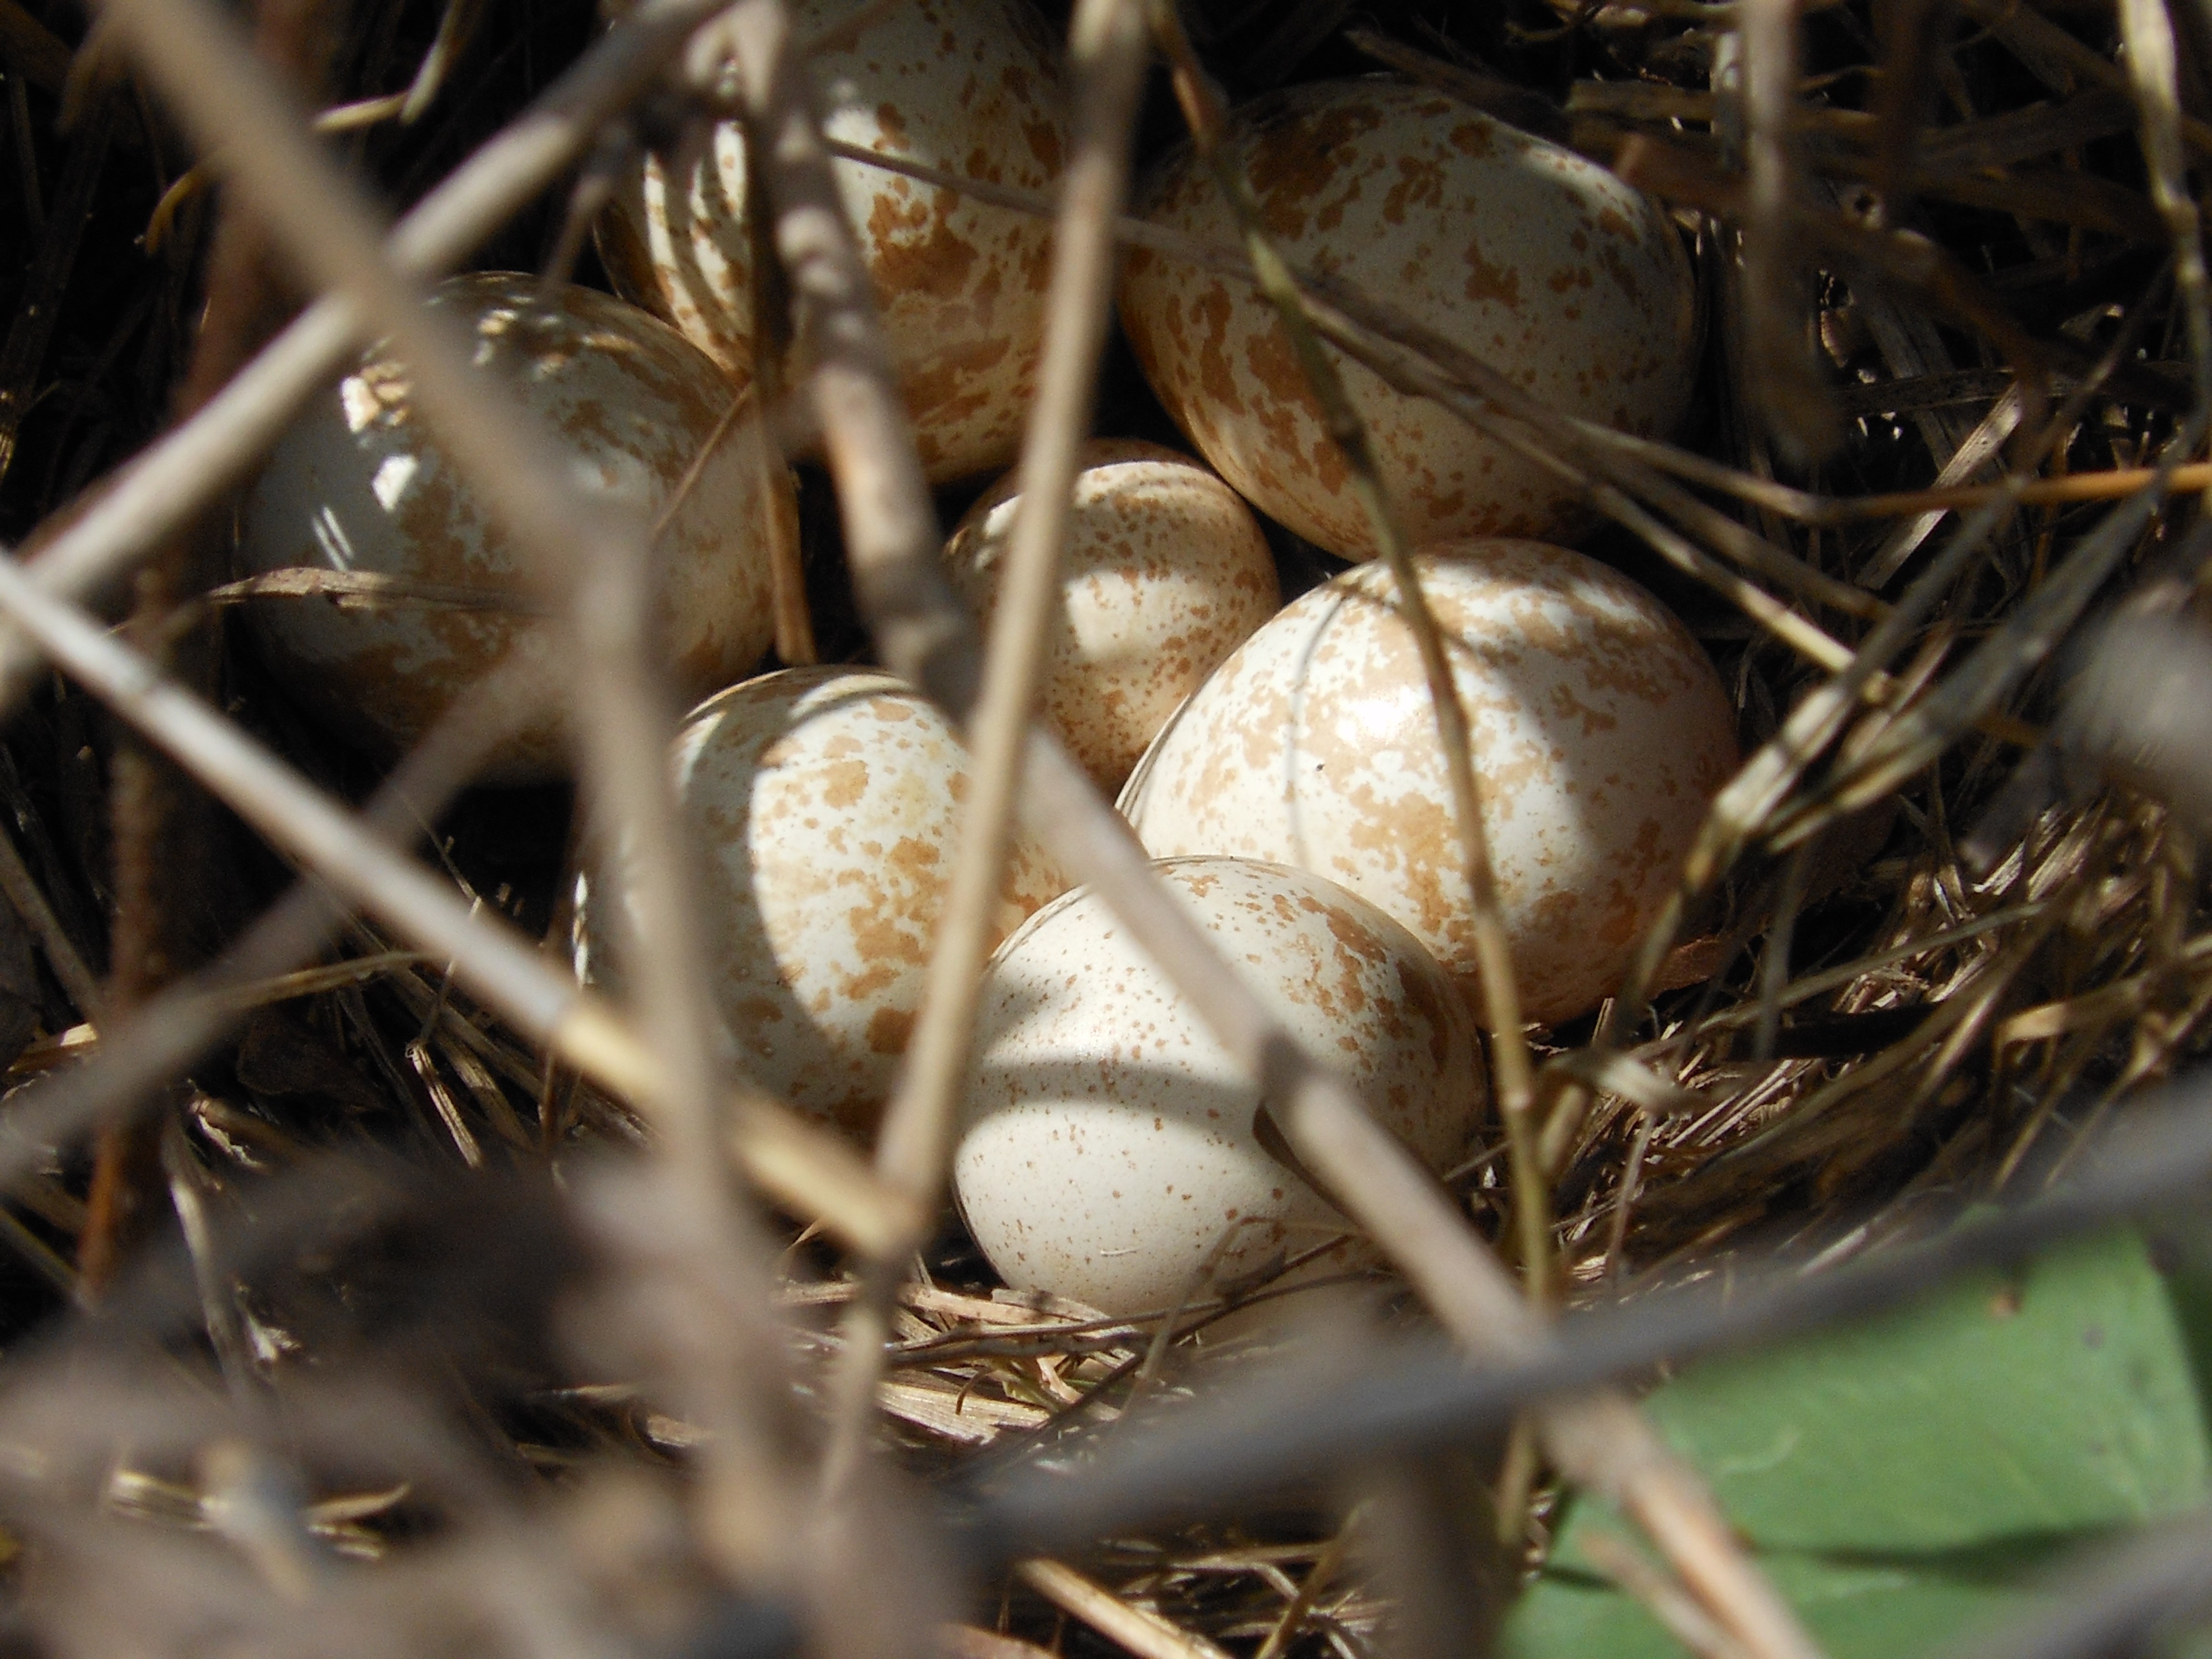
(825, 802)
(1114, 1154)
(359, 486)
(1164, 573)
(1540, 263)
(968, 87)
(1599, 733)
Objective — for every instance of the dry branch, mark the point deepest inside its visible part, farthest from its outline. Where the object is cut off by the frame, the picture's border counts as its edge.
(1107, 53)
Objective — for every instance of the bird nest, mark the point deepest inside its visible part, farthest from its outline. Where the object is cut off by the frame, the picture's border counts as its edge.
(345, 1310)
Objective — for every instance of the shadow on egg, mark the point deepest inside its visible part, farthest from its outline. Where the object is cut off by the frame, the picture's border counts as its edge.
(1111, 1143)
(1600, 735)
(823, 804)
(1074, 1190)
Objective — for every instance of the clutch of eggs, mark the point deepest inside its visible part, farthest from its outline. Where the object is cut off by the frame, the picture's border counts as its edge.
(1164, 572)
(971, 88)
(825, 802)
(359, 485)
(1539, 262)
(1114, 1153)
(1600, 733)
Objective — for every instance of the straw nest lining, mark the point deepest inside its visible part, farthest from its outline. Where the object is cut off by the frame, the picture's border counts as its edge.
(1919, 976)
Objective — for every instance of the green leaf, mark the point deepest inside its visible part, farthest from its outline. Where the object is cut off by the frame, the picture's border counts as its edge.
(1863, 1608)
(1899, 1478)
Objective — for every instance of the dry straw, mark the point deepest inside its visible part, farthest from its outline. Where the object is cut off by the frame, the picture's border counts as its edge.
(530, 1301)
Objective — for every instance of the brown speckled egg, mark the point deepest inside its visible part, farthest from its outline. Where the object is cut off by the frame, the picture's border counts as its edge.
(360, 484)
(969, 86)
(1111, 1143)
(1164, 573)
(1600, 731)
(1539, 262)
(826, 802)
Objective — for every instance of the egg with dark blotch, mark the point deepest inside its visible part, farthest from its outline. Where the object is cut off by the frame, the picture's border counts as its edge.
(826, 803)
(969, 87)
(1533, 259)
(359, 485)
(1113, 1152)
(1600, 735)
(1164, 572)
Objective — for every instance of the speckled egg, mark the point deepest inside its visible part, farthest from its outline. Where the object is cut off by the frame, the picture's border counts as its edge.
(968, 87)
(1600, 733)
(1164, 573)
(1111, 1145)
(826, 802)
(360, 484)
(1539, 262)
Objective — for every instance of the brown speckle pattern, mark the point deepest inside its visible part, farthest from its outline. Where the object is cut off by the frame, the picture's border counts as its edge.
(1110, 1141)
(1601, 734)
(359, 483)
(1531, 257)
(971, 87)
(1164, 573)
(825, 801)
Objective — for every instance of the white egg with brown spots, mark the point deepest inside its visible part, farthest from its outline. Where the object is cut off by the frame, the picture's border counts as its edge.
(1600, 735)
(1164, 573)
(826, 803)
(1539, 262)
(969, 87)
(360, 486)
(1111, 1145)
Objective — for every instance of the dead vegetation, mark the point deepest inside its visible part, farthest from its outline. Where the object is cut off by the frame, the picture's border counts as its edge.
(365, 1287)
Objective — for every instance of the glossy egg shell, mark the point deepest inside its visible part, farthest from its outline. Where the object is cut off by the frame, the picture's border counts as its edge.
(1601, 734)
(360, 484)
(826, 803)
(969, 86)
(1164, 573)
(1110, 1142)
(1539, 262)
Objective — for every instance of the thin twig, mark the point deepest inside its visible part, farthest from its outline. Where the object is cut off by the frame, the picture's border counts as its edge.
(1792, 397)
(2022, 641)
(2153, 76)
(21, 891)
(1141, 1631)
(1318, 1578)
(1207, 120)
(1106, 59)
